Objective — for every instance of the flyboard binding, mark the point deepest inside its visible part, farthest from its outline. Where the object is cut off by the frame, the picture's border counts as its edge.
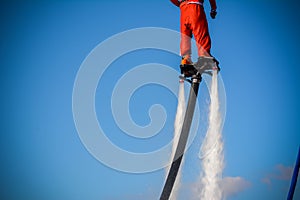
(204, 65)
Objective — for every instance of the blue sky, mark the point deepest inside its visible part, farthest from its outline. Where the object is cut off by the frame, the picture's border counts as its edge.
(43, 45)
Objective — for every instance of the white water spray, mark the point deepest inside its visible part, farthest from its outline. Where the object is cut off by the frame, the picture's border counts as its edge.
(211, 151)
(177, 130)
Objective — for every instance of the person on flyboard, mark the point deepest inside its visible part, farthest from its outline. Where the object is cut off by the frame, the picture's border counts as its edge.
(193, 22)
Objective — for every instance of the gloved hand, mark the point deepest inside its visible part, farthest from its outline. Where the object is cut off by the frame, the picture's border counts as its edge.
(213, 13)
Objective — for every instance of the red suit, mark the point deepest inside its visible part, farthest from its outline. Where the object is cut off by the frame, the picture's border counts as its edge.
(193, 22)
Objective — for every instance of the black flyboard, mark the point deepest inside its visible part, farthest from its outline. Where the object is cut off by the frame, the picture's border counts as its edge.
(204, 65)
(182, 140)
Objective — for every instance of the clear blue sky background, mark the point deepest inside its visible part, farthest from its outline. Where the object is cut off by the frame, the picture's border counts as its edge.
(43, 44)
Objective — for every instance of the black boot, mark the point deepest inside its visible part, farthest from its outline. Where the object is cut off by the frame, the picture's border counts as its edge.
(206, 64)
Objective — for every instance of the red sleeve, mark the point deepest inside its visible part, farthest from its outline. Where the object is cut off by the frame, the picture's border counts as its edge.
(175, 2)
(213, 4)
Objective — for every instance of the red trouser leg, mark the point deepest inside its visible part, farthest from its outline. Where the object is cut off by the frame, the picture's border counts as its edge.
(193, 21)
(186, 34)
